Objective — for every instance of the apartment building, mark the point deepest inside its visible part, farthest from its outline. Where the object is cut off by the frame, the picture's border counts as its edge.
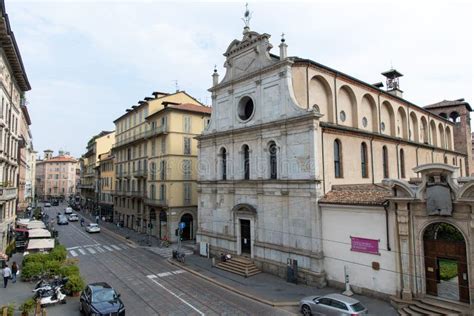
(106, 185)
(14, 83)
(26, 162)
(135, 205)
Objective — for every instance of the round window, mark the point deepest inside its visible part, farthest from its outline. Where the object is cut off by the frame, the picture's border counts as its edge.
(382, 126)
(342, 116)
(364, 121)
(245, 108)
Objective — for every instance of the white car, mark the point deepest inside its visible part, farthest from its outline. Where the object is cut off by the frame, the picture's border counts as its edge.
(93, 228)
(73, 218)
(68, 210)
(47, 204)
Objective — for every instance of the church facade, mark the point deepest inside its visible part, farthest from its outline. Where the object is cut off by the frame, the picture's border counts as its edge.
(286, 133)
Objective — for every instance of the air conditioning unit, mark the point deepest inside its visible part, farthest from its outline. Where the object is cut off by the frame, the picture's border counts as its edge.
(204, 249)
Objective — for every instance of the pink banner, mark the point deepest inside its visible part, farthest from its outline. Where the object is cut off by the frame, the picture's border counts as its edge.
(365, 245)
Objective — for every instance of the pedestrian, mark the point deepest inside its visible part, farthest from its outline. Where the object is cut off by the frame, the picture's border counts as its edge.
(97, 219)
(7, 273)
(14, 271)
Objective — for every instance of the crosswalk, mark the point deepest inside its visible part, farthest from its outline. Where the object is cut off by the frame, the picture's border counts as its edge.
(96, 249)
(167, 252)
(165, 274)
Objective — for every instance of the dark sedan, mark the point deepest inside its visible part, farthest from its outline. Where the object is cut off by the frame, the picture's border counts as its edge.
(101, 299)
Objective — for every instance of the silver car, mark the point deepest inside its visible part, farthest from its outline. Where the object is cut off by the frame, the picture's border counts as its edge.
(331, 304)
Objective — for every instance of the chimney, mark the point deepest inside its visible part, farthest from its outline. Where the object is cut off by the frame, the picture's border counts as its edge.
(393, 84)
(215, 77)
(283, 48)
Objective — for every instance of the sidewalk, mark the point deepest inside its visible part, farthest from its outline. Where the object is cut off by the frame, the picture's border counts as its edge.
(263, 287)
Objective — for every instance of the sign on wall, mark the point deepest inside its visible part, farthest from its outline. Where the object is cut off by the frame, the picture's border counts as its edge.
(365, 245)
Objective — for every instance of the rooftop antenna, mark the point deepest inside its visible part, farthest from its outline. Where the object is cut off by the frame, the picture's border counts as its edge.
(176, 85)
(247, 16)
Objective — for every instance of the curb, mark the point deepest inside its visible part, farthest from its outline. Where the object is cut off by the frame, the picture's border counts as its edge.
(232, 289)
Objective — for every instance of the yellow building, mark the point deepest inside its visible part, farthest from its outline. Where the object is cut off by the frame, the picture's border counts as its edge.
(172, 161)
(132, 151)
(99, 144)
(106, 185)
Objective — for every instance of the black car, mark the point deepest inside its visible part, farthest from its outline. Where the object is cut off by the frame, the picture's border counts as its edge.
(55, 203)
(101, 299)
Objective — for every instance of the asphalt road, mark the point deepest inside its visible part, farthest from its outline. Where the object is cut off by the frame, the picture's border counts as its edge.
(147, 283)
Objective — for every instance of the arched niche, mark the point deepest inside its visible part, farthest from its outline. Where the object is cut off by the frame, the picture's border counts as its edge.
(320, 97)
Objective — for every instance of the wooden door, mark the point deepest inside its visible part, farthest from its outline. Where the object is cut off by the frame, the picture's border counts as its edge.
(245, 236)
(431, 268)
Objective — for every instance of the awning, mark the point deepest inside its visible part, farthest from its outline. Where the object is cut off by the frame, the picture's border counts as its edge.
(36, 224)
(39, 233)
(21, 230)
(46, 243)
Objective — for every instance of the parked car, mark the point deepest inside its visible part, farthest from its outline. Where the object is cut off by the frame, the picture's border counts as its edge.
(93, 228)
(62, 220)
(47, 204)
(68, 210)
(73, 218)
(331, 304)
(55, 203)
(101, 299)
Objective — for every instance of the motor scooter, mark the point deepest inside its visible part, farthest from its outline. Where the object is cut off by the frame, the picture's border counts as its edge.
(51, 297)
(44, 285)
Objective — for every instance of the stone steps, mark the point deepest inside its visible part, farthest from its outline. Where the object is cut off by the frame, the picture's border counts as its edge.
(240, 266)
(429, 306)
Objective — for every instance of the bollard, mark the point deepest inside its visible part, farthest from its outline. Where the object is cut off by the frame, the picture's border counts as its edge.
(5, 311)
(44, 312)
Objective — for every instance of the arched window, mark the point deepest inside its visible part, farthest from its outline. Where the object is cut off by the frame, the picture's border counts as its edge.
(363, 160)
(455, 117)
(337, 159)
(273, 160)
(152, 192)
(224, 164)
(402, 164)
(460, 167)
(246, 154)
(153, 171)
(445, 160)
(385, 162)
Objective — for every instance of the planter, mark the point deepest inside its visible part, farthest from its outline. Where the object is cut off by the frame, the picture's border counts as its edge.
(76, 294)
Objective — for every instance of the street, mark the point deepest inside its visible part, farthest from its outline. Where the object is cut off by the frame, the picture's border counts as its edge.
(147, 283)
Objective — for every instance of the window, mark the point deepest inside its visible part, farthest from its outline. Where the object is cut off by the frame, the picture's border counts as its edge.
(152, 192)
(187, 146)
(402, 164)
(337, 159)
(163, 145)
(187, 193)
(187, 124)
(273, 160)
(163, 170)
(162, 192)
(224, 163)
(153, 171)
(153, 147)
(187, 169)
(363, 160)
(245, 108)
(385, 162)
(246, 154)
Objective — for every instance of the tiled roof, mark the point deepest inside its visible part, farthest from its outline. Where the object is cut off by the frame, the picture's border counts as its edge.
(357, 194)
(191, 107)
(446, 103)
(61, 159)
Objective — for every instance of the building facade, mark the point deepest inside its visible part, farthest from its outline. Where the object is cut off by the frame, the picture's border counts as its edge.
(14, 83)
(106, 186)
(97, 145)
(56, 176)
(26, 163)
(137, 202)
(284, 132)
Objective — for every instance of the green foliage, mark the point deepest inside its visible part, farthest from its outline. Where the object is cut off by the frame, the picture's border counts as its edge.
(68, 271)
(37, 213)
(52, 267)
(59, 253)
(28, 306)
(75, 284)
(35, 257)
(10, 309)
(31, 269)
(448, 269)
(443, 231)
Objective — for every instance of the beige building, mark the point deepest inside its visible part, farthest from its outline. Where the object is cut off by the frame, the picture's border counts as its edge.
(56, 176)
(97, 145)
(285, 133)
(106, 185)
(143, 141)
(26, 162)
(14, 83)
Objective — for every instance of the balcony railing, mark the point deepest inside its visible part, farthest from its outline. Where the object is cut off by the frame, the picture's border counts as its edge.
(140, 173)
(118, 192)
(156, 202)
(141, 136)
(139, 194)
(86, 186)
(7, 193)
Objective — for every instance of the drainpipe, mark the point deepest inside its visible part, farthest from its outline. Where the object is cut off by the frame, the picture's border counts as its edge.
(372, 159)
(385, 205)
(322, 152)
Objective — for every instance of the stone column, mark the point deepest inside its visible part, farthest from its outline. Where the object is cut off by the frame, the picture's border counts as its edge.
(403, 216)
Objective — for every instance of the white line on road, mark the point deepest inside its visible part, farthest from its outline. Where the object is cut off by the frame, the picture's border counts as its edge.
(108, 248)
(175, 295)
(81, 251)
(70, 248)
(178, 271)
(163, 274)
(151, 276)
(99, 249)
(73, 253)
(91, 250)
(115, 247)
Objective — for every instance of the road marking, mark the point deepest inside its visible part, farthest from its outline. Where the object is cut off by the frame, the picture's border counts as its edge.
(175, 295)
(124, 246)
(115, 247)
(81, 251)
(132, 245)
(108, 248)
(151, 276)
(163, 274)
(83, 246)
(99, 249)
(178, 271)
(91, 250)
(73, 253)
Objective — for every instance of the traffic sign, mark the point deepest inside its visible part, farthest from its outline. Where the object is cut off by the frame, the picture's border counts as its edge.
(182, 225)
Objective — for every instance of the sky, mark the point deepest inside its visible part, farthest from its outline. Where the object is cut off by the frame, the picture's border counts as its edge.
(88, 61)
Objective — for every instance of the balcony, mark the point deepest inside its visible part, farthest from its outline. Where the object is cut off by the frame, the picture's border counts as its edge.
(140, 136)
(123, 174)
(87, 186)
(7, 193)
(142, 173)
(138, 194)
(118, 192)
(156, 202)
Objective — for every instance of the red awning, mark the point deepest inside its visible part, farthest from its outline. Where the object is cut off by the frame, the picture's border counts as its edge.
(21, 230)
